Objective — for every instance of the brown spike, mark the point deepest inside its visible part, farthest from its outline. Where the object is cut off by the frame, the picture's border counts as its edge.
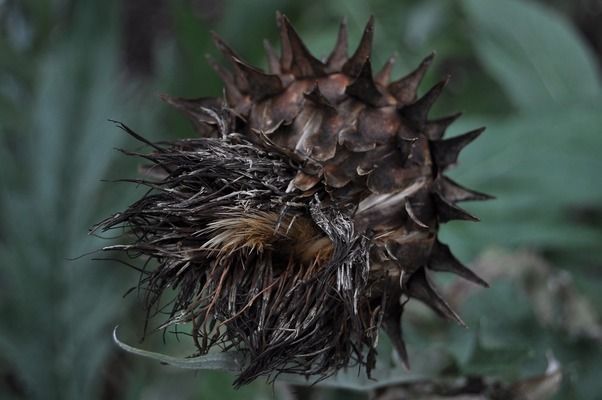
(354, 65)
(417, 112)
(224, 74)
(447, 211)
(316, 97)
(193, 108)
(239, 77)
(443, 260)
(446, 152)
(304, 64)
(233, 94)
(420, 288)
(435, 129)
(221, 45)
(384, 75)
(286, 57)
(260, 84)
(337, 58)
(405, 89)
(273, 62)
(304, 182)
(413, 217)
(455, 192)
(364, 87)
(392, 326)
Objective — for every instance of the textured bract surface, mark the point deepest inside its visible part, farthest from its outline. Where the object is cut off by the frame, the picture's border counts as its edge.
(308, 212)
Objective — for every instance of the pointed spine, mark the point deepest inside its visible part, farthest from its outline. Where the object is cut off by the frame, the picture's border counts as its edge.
(445, 152)
(364, 87)
(193, 108)
(405, 89)
(303, 63)
(455, 192)
(230, 54)
(413, 217)
(392, 326)
(233, 94)
(443, 260)
(249, 79)
(420, 288)
(259, 84)
(273, 62)
(286, 53)
(384, 75)
(354, 65)
(417, 112)
(304, 182)
(447, 211)
(338, 56)
(196, 111)
(435, 129)
(316, 97)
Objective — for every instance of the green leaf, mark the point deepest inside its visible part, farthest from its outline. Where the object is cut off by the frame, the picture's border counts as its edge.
(225, 361)
(533, 52)
(61, 310)
(429, 363)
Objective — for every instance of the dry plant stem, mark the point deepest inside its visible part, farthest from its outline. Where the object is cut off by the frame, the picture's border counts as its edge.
(292, 229)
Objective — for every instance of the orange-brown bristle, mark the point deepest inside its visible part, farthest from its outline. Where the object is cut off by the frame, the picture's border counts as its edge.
(259, 231)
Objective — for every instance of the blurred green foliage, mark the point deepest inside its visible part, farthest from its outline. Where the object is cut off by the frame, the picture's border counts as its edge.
(521, 68)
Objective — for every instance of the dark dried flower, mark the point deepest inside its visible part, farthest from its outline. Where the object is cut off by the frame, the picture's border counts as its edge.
(306, 214)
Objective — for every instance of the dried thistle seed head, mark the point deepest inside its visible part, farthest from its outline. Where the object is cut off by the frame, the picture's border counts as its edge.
(291, 229)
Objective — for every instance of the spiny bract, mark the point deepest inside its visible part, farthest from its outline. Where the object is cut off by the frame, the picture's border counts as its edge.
(307, 212)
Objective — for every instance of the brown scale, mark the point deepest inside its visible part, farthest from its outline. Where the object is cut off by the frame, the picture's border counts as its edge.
(368, 141)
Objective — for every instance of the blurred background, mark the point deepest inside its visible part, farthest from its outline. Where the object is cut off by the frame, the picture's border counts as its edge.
(528, 70)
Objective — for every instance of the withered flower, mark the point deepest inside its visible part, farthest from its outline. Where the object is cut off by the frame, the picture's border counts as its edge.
(305, 215)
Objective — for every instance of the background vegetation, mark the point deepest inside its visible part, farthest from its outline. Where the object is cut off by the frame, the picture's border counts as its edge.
(528, 70)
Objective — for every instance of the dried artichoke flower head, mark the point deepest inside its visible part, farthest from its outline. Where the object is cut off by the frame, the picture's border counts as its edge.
(292, 229)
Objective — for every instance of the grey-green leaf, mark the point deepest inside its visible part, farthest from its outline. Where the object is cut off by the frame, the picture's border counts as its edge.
(225, 361)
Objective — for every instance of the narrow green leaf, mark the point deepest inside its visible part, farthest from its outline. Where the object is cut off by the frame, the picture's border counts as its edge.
(225, 361)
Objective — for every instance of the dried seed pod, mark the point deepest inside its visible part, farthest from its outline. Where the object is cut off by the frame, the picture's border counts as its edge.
(310, 205)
